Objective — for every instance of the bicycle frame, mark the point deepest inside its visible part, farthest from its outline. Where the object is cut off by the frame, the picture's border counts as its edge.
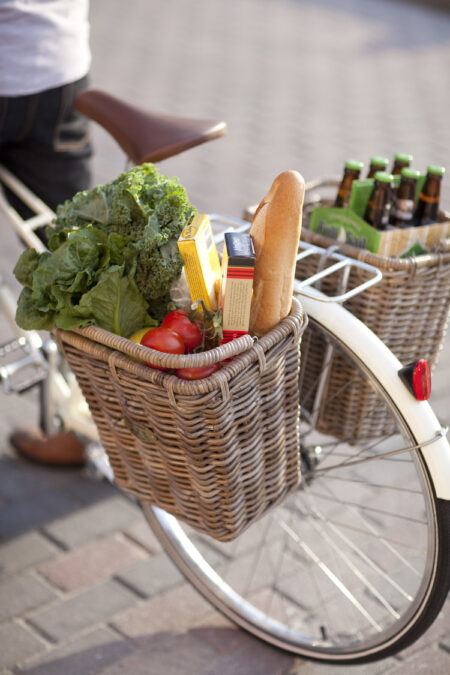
(25, 228)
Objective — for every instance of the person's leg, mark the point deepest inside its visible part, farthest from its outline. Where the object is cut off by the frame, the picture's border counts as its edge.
(16, 115)
(45, 143)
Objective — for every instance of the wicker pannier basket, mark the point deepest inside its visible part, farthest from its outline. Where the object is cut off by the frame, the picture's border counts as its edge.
(408, 310)
(216, 452)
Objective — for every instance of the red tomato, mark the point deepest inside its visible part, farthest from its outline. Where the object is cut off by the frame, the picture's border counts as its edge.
(197, 373)
(178, 320)
(163, 340)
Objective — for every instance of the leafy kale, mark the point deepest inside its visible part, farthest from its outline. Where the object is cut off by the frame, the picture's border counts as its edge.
(112, 256)
(146, 206)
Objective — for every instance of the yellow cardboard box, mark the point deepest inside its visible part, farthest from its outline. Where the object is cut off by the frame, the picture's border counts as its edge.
(201, 260)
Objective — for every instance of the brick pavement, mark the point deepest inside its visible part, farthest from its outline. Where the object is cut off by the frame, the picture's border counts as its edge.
(110, 602)
(85, 587)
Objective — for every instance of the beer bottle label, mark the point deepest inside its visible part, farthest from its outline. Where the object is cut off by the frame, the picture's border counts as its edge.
(430, 200)
(403, 209)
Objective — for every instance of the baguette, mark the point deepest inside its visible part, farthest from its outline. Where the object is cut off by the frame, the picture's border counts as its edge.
(275, 230)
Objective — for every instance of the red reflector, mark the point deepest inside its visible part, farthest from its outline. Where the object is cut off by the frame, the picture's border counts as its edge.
(421, 380)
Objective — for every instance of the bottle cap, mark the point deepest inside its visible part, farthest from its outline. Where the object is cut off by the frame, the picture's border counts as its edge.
(436, 170)
(410, 173)
(354, 164)
(403, 157)
(379, 161)
(384, 177)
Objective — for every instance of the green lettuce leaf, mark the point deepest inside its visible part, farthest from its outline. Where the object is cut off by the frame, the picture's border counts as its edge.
(115, 304)
(29, 317)
(26, 266)
(112, 257)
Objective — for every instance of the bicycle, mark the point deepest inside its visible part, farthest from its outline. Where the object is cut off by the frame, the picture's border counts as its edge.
(353, 566)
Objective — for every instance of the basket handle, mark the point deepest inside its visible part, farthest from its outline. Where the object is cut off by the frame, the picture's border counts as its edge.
(161, 359)
(216, 355)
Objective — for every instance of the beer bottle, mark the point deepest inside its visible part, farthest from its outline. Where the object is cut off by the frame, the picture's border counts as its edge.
(405, 199)
(401, 161)
(352, 170)
(379, 204)
(428, 204)
(377, 164)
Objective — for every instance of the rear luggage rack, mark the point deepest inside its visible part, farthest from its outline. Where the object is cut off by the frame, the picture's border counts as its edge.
(340, 264)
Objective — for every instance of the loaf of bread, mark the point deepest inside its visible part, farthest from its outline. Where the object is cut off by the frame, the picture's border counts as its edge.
(275, 231)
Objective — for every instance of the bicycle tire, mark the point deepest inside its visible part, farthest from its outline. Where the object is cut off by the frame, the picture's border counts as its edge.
(411, 610)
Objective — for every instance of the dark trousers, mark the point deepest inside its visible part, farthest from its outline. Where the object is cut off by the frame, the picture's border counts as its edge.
(45, 143)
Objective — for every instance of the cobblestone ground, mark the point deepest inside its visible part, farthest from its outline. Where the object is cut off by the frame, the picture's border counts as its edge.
(85, 587)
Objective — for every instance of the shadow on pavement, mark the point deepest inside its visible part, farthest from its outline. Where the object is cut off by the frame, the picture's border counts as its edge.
(203, 651)
(33, 496)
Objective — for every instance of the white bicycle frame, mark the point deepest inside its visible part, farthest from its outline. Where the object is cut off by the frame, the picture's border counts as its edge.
(71, 406)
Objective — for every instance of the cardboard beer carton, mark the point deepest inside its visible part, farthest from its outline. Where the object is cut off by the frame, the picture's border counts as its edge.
(348, 226)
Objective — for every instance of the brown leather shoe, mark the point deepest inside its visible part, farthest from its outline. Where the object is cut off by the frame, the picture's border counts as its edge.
(63, 449)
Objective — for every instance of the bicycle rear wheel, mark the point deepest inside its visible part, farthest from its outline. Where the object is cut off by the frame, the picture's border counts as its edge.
(353, 566)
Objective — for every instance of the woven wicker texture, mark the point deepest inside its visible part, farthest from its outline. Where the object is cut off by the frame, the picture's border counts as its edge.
(408, 310)
(216, 453)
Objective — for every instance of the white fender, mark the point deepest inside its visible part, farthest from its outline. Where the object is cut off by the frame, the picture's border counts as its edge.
(379, 359)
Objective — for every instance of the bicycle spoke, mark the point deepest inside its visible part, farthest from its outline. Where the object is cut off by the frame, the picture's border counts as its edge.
(365, 558)
(371, 509)
(356, 571)
(356, 510)
(331, 576)
(372, 535)
(374, 485)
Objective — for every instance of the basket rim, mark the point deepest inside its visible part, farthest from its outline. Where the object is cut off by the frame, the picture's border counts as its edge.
(383, 262)
(116, 352)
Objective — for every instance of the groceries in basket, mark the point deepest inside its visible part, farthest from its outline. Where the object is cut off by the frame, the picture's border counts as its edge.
(275, 230)
(258, 270)
(201, 261)
(390, 212)
(134, 257)
(236, 290)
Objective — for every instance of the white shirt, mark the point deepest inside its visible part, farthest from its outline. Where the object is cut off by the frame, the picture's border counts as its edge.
(43, 44)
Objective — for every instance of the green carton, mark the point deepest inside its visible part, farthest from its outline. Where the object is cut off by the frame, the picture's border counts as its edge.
(347, 226)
